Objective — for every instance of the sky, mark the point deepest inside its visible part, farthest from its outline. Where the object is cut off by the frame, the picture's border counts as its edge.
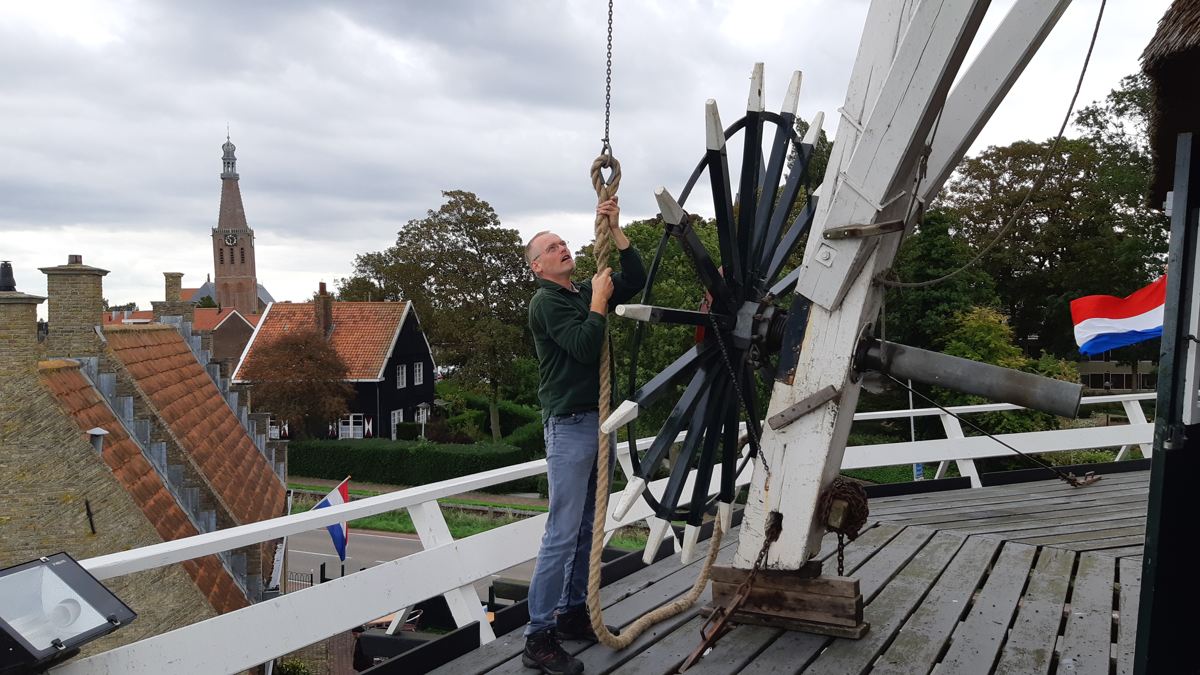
(350, 118)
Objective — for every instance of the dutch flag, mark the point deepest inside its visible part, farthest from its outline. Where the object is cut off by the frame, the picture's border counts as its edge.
(1104, 322)
(339, 531)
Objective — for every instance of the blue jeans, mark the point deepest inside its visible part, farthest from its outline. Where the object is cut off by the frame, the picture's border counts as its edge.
(560, 575)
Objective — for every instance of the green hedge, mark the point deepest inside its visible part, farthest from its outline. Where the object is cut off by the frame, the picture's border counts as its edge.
(408, 431)
(512, 415)
(404, 462)
(529, 437)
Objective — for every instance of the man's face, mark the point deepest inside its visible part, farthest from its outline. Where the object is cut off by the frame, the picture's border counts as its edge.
(552, 257)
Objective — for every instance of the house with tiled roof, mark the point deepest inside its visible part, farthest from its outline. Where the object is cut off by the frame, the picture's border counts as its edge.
(224, 333)
(169, 436)
(389, 362)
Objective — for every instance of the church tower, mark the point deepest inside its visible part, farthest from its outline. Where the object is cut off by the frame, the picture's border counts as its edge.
(235, 279)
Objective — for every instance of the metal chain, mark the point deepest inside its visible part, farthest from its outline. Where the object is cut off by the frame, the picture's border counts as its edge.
(721, 616)
(607, 149)
(841, 554)
(756, 446)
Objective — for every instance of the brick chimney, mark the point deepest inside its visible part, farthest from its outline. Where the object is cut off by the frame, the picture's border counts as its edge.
(18, 329)
(76, 294)
(174, 283)
(323, 306)
(172, 304)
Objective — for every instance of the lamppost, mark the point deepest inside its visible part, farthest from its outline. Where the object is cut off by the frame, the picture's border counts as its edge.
(423, 414)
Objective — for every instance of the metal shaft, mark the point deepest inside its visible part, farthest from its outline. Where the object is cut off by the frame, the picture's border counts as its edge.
(971, 377)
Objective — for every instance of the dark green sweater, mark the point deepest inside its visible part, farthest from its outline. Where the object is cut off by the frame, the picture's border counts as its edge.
(568, 337)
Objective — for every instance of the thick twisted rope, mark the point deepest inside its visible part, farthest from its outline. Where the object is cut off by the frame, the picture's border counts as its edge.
(606, 190)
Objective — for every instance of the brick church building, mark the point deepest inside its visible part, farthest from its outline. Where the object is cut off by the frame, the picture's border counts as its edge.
(234, 284)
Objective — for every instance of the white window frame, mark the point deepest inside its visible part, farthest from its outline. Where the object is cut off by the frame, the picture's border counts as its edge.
(422, 415)
(418, 373)
(352, 426)
(401, 375)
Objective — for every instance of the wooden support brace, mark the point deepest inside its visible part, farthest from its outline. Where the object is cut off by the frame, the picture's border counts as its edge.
(801, 600)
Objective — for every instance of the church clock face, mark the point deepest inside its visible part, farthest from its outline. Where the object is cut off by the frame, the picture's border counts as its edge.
(231, 239)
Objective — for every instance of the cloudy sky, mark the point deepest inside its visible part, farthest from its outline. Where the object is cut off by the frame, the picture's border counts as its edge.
(351, 117)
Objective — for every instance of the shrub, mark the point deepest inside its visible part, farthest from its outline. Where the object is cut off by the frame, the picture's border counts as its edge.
(529, 437)
(401, 462)
(408, 431)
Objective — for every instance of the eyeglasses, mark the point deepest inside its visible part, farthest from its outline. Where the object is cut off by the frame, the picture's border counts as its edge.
(557, 246)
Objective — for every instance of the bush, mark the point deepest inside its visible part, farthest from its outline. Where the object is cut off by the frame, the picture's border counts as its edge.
(404, 462)
(529, 437)
(408, 431)
(294, 667)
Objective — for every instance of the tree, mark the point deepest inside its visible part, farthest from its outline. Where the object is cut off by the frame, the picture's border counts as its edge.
(467, 277)
(207, 302)
(1087, 230)
(923, 317)
(128, 306)
(299, 377)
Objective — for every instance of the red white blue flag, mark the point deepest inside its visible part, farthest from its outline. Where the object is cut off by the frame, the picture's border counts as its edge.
(339, 531)
(1104, 322)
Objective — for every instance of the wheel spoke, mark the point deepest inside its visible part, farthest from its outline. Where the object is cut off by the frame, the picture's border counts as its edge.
(683, 462)
(680, 415)
(718, 175)
(704, 464)
(766, 216)
(751, 172)
(790, 240)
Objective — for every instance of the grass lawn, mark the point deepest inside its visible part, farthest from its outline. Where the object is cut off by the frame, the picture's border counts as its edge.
(447, 500)
(461, 523)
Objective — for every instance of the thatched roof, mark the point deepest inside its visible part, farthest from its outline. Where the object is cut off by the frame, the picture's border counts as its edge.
(1172, 60)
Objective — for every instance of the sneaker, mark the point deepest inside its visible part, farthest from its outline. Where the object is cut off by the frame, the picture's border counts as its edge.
(544, 652)
(576, 624)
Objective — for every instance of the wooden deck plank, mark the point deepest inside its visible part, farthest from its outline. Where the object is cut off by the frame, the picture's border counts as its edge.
(873, 559)
(1104, 544)
(976, 642)
(934, 512)
(505, 647)
(665, 655)
(1034, 514)
(1125, 552)
(1130, 578)
(1030, 646)
(598, 659)
(1003, 493)
(1046, 486)
(1074, 534)
(1087, 639)
(734, 651)
(890, 608)
(920, 641)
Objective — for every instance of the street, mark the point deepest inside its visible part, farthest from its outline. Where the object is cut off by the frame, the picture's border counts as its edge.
(307, 550)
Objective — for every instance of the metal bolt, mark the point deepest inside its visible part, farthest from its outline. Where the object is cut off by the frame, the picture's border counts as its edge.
(826, 255)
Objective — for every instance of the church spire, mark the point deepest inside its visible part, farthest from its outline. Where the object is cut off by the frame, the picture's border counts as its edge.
(228, 160)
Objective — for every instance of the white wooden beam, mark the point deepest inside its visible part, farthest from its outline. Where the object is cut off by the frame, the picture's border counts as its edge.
(463, 601)
(837, 275)
(986, 82)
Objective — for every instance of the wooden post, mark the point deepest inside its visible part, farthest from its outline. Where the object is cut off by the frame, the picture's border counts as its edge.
(871, 181)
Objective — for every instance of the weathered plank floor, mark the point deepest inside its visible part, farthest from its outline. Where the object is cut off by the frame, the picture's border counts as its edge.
(1028, 578)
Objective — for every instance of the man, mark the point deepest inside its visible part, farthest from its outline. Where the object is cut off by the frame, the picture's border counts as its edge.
(567, 321)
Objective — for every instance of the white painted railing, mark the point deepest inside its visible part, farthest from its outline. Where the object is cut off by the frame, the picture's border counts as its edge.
(239, 640)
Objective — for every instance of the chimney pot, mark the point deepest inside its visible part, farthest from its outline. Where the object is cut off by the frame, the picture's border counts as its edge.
(322, 288)
(7, 282)
(75, 259)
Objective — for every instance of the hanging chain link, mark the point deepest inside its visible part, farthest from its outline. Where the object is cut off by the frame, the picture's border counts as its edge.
(607, 148)
(755, 445)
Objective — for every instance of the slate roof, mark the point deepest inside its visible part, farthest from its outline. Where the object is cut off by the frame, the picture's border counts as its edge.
(363, 333)
(208, 318)
(80, 400)
(210, 290)
(192, 407)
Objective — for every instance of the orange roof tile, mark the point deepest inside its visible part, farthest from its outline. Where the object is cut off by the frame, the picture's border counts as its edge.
(118, 317)
(208, 318)
(363, 332)
(87, 408)
(188, 401)
(185, 294)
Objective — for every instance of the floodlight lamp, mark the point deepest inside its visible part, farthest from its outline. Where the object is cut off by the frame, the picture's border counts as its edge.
(50, 607)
